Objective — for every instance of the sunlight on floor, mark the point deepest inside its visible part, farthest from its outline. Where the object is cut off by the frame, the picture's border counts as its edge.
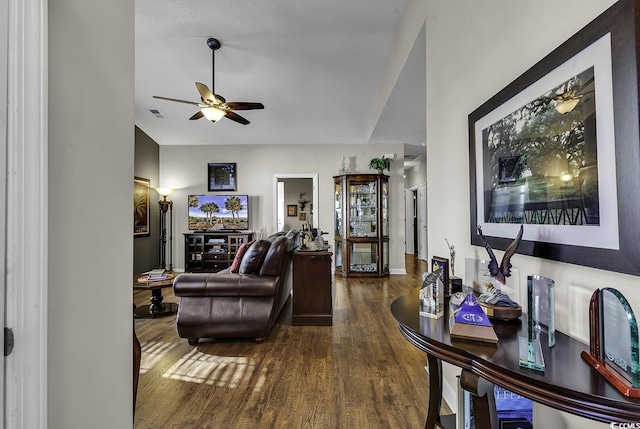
(152, 353)
(221, 371)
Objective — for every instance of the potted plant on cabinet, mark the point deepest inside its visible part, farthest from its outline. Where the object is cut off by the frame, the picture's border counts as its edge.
(380, 164)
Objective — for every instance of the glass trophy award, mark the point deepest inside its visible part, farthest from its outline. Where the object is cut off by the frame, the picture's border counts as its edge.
(613, 341)
(432, 295)
(540, 321)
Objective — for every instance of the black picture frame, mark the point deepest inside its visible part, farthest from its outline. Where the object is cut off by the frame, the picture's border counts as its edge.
(222, 177)
(622, 22)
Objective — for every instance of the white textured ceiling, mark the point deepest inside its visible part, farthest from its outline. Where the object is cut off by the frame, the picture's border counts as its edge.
(317, 66)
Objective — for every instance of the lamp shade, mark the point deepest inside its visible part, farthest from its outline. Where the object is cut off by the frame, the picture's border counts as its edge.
(164, 192)
(213, 114)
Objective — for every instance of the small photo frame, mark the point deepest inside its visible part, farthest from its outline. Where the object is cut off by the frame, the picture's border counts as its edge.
(292, 210)
(302, 217)
(222, 176)
(437, 262)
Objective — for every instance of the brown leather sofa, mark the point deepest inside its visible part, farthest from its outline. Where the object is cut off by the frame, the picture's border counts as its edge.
(245, 304)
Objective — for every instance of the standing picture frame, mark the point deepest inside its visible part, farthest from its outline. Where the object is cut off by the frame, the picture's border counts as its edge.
(586, 214)
(439, 262)
(141, 206)
(222, 177)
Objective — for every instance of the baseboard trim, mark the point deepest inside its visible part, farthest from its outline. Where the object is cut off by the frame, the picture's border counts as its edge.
(398, 271)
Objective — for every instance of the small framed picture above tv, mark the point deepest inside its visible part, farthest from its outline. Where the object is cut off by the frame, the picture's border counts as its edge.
(222, 177)
(218, 212)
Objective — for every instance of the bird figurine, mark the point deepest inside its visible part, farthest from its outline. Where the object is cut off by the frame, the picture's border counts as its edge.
(499, 272)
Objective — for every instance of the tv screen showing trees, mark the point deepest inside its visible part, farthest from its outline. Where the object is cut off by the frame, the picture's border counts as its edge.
(218, 212)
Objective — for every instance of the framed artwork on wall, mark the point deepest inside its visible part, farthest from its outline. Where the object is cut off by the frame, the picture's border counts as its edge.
(557, 151)
(141, 204)
(292, 210)
(222, 177)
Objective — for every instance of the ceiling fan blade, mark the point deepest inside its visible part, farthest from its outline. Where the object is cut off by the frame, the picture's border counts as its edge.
(197, 115)
(179, 101)
(237, 105)
(207, 95)
(235, 117)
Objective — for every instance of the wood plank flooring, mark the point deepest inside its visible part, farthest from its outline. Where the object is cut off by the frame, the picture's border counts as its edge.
(358, 373)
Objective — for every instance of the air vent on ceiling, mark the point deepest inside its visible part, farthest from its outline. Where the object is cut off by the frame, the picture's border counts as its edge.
(157, 113)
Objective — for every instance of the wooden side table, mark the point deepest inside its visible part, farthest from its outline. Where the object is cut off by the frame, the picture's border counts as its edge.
(156, 308)
(313, 293)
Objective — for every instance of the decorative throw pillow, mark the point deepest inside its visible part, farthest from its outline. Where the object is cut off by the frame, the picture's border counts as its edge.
(235, 265)
(252, 260)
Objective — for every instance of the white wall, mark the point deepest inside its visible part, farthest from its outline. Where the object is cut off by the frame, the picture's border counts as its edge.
(184, 169)
(91, 150)
(416, 175)
(474, 49)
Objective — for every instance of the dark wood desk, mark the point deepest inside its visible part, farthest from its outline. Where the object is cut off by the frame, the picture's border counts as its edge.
(568, 384)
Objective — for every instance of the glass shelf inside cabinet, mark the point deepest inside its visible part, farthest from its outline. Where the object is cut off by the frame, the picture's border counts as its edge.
(364, 257)
(384, 209)
(363, 209)
(338, 209)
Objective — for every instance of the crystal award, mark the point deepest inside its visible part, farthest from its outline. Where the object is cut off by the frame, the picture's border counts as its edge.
(432, 295)
(613, 341)
(540, 321)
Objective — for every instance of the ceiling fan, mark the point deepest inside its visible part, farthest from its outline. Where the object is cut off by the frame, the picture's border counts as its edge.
(213, 106)
(569, 99)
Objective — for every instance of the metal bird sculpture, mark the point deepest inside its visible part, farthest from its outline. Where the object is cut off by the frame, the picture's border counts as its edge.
(500, 272)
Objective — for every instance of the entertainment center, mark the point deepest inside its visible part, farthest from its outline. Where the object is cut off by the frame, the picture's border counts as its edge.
(212, 251)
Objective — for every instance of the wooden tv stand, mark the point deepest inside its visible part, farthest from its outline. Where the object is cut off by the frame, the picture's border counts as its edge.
(210, 252)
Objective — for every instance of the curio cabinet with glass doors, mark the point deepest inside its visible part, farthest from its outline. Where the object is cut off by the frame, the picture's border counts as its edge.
(361, 219)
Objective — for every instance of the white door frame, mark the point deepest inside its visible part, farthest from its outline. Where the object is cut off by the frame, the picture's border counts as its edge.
(26, 220)
(409, 227)
(422, 222)
(278, 176)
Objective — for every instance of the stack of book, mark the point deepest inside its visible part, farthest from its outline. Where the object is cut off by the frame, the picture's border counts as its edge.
(156, 275)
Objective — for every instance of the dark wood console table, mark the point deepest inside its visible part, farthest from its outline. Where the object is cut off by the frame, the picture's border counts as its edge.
(568, 384)
(312, 288)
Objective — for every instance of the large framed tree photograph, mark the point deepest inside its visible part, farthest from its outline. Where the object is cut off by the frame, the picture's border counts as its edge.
(558, 151)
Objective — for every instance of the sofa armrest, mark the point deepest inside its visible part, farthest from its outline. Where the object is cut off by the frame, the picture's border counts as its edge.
(228, 285)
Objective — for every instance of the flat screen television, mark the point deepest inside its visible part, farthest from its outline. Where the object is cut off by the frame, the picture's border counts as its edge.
(218, 212)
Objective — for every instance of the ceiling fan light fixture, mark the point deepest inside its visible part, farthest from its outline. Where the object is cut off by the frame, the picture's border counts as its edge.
(213, 114)
(567, 105)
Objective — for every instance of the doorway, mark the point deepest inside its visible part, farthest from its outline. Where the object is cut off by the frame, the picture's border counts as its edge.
(295, 201)
(422, 221)
(410, 219)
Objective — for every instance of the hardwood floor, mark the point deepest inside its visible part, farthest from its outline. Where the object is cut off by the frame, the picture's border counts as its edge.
(358, 373)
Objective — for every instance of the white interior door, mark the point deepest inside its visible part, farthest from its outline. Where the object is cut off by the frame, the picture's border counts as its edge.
(280, 205)
(23, 213)
(422, 221)
(4, 59)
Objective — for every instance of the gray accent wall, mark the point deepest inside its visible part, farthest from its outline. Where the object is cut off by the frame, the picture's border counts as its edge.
(146, 249)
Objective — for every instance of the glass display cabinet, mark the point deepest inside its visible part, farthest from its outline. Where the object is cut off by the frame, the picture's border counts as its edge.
(361, 219)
